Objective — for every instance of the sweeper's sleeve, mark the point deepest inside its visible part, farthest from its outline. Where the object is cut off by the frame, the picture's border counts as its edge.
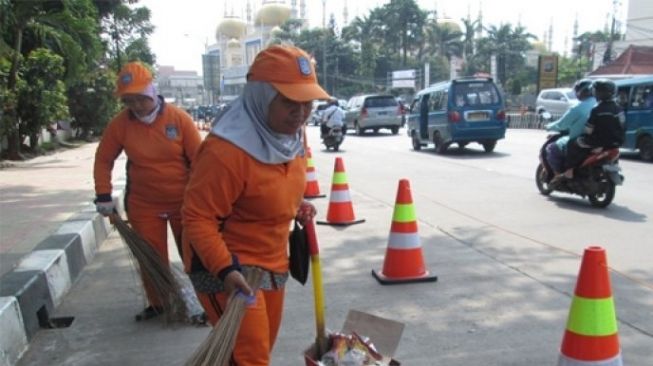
(192, 138)
(109, 148)
(215, 184)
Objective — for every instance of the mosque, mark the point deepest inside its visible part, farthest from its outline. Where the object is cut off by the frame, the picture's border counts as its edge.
(226, 62)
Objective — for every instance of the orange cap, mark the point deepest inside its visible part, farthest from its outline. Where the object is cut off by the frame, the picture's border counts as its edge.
(290, 71)
(134, 78)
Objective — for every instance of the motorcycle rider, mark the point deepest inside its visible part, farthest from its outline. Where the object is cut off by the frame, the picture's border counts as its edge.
(332, 116)
(572, 122)
(603, 130)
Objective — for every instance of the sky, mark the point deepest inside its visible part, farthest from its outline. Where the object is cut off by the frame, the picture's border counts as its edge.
(183, 28)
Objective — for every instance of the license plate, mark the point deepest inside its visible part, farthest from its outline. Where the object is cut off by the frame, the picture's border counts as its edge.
(477, 116)
(381, 113)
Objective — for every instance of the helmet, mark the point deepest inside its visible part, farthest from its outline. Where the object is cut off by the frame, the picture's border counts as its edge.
(583, 87)
(604, 89)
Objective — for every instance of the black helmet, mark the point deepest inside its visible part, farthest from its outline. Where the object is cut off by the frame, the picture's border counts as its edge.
(583, 87)
(604, 89)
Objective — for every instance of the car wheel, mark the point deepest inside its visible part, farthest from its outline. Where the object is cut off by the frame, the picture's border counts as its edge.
(394, 130)
(417, 145)
(489, 146)
(645, 146)
(358, 129)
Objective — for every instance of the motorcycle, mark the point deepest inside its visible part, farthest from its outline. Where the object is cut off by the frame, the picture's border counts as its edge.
(333, 138)
(596, 178)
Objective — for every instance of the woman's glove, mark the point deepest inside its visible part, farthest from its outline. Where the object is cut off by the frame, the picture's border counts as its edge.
(105, 208)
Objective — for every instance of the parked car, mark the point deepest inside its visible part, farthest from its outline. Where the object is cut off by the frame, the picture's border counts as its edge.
(555, 101)
(635, 95)
(457, 111)
(316, 114)
(373, 112)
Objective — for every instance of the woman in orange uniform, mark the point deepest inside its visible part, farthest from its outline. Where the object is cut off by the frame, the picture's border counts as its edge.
(246, 187)
(160, 141)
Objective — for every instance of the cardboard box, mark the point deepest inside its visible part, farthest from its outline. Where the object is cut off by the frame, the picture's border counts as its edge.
(383, 333)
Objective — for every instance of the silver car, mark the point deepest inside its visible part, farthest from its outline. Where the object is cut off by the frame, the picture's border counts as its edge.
(373, 112)
(555, 101)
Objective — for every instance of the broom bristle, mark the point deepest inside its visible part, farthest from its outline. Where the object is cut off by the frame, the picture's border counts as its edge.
(160, 275)
(217, 347)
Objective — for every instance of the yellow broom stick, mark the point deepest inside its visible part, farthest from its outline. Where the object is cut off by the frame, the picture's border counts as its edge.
(321, 340)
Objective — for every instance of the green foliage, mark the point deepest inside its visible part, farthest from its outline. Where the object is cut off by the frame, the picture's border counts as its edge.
(91, 103)
(41, 93)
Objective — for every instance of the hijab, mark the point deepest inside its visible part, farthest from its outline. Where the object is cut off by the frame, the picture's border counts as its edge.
(245, 125)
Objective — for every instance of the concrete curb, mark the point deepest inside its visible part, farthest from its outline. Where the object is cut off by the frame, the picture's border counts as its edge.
(30, 293)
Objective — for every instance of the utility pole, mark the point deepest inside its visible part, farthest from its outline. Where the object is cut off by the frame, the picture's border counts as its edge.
(324, 47)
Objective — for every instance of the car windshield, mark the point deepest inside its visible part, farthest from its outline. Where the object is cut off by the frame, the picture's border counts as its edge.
(571, 95)
(473, 94)
(380, 102)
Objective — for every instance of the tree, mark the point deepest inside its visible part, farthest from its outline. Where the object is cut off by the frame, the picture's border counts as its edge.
(123, 26)
(41, 94)
(91, 102)
(404, 23)
(508, 45)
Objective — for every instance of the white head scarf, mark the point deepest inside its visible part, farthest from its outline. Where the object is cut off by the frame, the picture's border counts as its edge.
(245, 124)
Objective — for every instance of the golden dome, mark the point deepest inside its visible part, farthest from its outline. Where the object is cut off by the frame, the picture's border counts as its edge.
(233, 43)
(231, 27)
(449, 23)
(276, 31)
(539, 46)
(273, 13)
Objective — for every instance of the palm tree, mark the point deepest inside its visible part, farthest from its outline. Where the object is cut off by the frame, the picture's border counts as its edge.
(469, 34)
(508, 45)
(443, 40)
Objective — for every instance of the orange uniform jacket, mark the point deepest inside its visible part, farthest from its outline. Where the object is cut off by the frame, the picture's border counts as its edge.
(236, 205)
(159, 156)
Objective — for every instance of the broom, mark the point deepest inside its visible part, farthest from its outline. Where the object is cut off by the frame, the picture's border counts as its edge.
(217, 347)
(160, 275)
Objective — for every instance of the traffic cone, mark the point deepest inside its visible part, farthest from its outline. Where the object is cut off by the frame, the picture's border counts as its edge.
(591, 336)
(312, 187)
(341, 211)
(403, 262)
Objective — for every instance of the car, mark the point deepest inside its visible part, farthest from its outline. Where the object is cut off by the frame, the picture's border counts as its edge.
(457, 111)
(635, 96)
(373, 112)
(316, 113)
(555, 101)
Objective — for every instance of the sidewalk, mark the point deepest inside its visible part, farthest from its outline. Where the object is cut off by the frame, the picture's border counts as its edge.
(38, 195)
(49, 232)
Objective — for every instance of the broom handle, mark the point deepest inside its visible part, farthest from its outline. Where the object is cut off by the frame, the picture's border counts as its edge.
(321, 343)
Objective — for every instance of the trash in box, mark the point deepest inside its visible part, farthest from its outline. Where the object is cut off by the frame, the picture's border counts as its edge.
(365, 340)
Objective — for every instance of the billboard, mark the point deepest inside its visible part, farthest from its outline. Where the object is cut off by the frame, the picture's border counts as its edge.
(403, 79)
(547, 72)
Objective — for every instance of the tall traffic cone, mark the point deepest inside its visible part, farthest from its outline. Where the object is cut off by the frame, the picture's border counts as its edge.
(341, 210)
(591, 336)
(312, 187)
(404, 262)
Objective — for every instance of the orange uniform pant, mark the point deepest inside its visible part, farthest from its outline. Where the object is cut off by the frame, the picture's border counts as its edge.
(259, 328)
(152, 226)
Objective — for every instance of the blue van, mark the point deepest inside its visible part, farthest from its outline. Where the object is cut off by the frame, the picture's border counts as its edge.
(457, 111)
(635, 95)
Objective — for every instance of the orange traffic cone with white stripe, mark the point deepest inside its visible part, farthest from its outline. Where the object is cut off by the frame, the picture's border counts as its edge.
(341, 210)
(404, 262)
(591, 336)
(312, 189)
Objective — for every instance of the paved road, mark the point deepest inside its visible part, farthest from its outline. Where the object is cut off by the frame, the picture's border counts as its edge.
(506, 257)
